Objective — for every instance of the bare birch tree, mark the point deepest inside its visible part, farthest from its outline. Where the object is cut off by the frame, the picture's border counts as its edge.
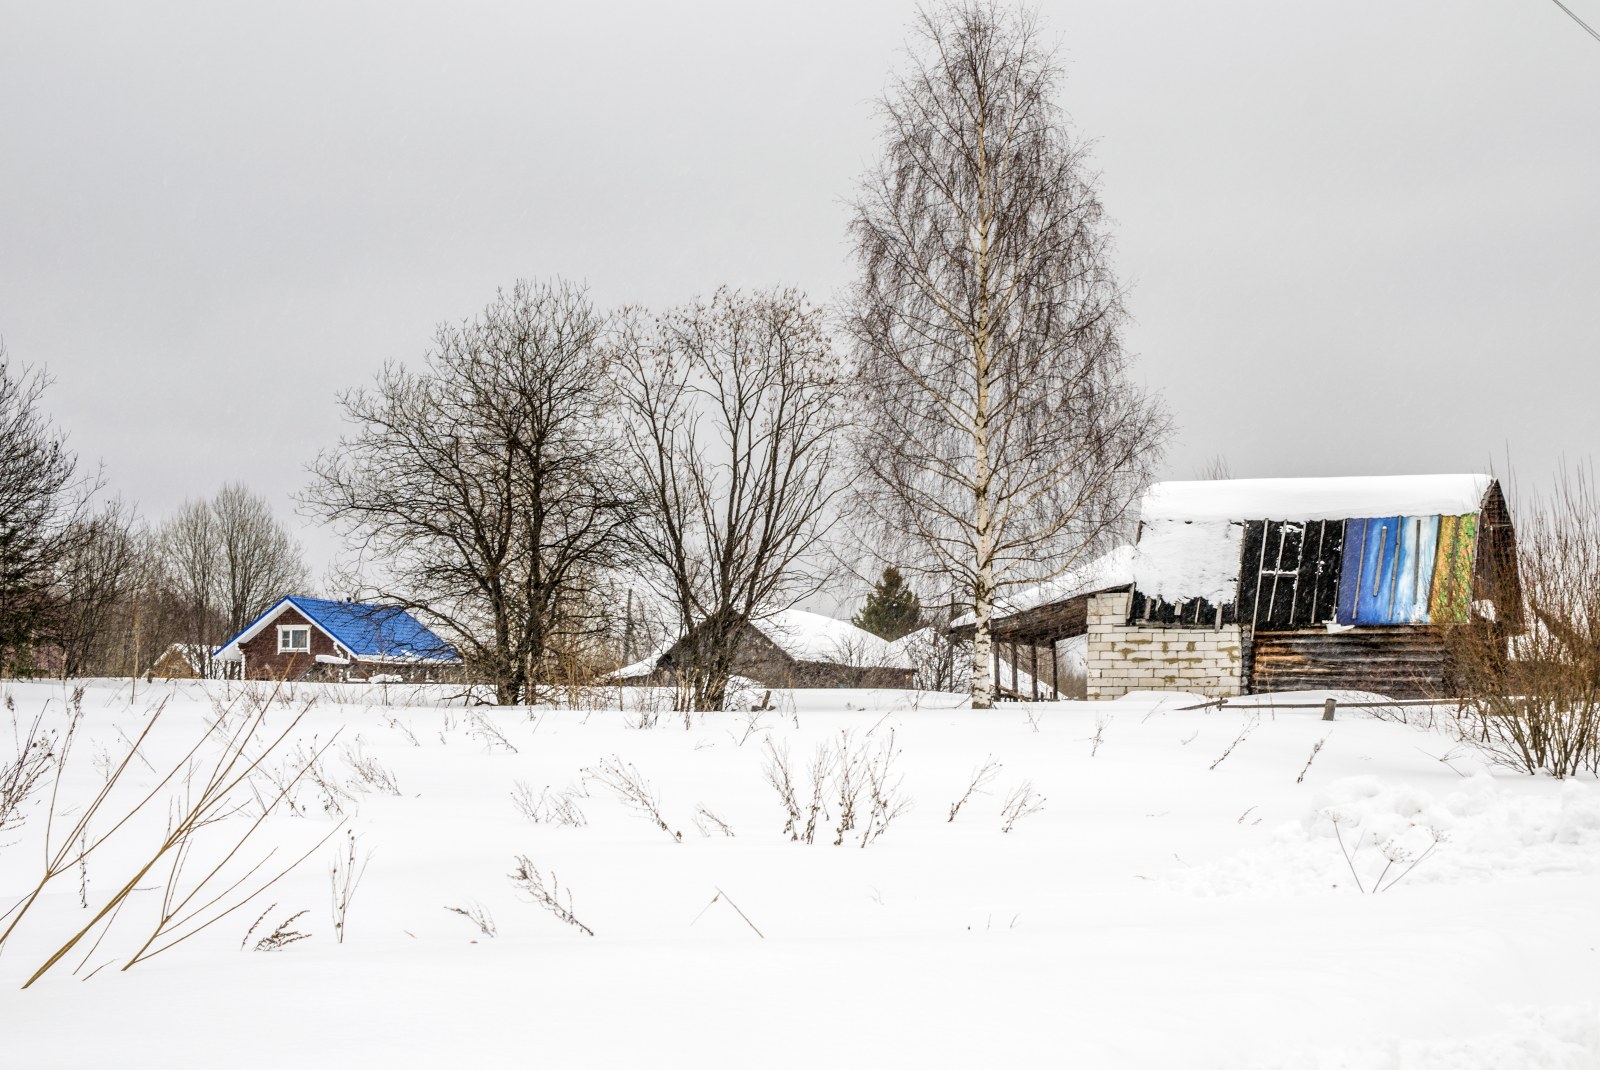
(735, 405)
(485, 488)
(1000, 435)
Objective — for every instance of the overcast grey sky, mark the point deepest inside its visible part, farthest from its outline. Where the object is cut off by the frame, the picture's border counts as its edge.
(1361, 236)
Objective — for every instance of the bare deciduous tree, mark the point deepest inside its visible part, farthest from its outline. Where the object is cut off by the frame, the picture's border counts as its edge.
(225, 561)
(1000, 435)
(485, 488)
(260, 561)
(735, 404)
(97, 577)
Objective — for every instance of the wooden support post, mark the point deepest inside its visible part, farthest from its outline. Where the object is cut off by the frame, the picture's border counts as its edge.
(1327, 709)
(1055, 671)
(1033, 668)
(994, 652)
(1016, 690)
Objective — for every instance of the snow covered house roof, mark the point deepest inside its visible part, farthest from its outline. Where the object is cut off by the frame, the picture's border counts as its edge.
(370, 632)
(1322, 498)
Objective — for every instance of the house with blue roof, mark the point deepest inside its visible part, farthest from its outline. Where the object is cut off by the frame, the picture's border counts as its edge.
(303, 638)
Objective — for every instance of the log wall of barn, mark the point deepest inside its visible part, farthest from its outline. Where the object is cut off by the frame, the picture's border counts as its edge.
(1397, 661)
(1125, 657)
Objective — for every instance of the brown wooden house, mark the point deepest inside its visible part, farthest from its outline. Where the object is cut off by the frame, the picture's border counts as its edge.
(303, 638)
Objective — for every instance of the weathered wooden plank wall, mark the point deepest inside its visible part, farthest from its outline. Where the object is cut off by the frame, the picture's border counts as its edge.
(1400, 662)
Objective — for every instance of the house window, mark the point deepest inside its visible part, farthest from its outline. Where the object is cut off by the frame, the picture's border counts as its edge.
(294, 639)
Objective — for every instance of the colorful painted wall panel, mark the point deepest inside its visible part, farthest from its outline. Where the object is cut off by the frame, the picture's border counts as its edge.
(1413, 585)
(1386, 575)
(1451, 597)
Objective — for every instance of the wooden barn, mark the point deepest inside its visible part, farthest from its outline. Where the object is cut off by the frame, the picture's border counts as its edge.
(794, 648)
(1261, 585)
(303, 638)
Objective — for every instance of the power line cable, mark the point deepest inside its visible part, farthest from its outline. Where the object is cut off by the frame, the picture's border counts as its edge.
(1590, 30)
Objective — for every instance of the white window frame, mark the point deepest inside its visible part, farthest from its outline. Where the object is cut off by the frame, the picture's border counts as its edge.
(287, 630)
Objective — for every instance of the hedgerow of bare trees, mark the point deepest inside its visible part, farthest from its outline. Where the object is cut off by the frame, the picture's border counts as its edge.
(485, 487)
(734, 408)
(43, 498)
(1000, 436)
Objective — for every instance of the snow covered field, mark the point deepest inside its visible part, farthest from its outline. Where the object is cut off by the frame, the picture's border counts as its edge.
(1163, 908)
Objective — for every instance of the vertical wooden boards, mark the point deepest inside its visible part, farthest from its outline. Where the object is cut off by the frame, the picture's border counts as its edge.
(1451, 596)
(1289, 572)
(1319, 573)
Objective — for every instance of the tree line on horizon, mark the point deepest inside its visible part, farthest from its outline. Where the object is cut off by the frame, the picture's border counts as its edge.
(557, 486)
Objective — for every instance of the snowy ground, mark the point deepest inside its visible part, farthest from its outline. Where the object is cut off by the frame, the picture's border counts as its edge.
(1157, 912)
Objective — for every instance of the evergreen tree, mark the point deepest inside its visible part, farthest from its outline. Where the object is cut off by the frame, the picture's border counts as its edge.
(892, 609)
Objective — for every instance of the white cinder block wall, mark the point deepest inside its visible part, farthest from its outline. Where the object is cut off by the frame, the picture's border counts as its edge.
(1123, 658)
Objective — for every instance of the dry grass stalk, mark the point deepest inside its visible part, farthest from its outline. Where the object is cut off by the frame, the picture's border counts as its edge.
(370, 773)
(479, 915)
(982, 777)
(24, 774)
(546, 893)
(211, 801)
(706, 822)
(1022, 802)
(483, 728)
(343, 878)
(282, 935)
(630, 786)
(1249, 726)
(560, 808)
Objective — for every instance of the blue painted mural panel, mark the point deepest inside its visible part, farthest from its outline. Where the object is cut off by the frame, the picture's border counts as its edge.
(1355, 541)
(1386, 575)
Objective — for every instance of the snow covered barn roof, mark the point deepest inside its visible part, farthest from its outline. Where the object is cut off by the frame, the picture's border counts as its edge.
(1280, 554)
(1327, 498)
(369, 632)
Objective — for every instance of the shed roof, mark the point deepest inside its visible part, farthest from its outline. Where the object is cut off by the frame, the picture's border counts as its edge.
(804, 636)
(807, 636)
(369, 631)
(1110, 570)
(1325, 498)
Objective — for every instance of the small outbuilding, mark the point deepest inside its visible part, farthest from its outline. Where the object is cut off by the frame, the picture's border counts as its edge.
(1262, 585)
(794, 648)
(1032, 630)
(303, 638)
